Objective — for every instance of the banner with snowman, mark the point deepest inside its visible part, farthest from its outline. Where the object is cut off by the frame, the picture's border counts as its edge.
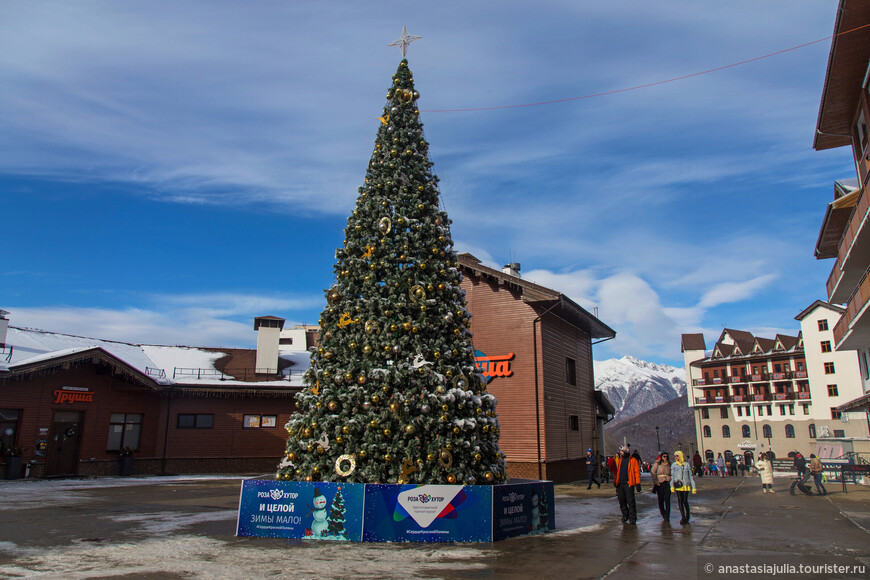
(394, 512)
(299, 509)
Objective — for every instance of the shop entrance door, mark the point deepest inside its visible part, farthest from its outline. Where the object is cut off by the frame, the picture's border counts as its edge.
(62, 457)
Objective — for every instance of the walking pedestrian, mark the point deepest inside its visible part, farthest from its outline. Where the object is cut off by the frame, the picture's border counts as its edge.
(627, 476)
(698, 464)
(682, 482)
(800, 465)
(816, 468)
(732, 468)
(720, 465)
(765, 470)
(661, 473)
(636, 456)
(591, 469)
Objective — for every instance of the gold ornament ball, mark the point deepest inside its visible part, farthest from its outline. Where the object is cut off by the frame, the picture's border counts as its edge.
(352, 345)
(345, 429)
(309, 478)
(409, 429)
(436, 354)
(348, 376)
(376, 399)
(407, 326)
(373, 424)
(478, 456)
(309, 448)
(328, 355)
(333, 406)
(394, 328)
(339, 439)
(444, 418)
(388, 457)
(306, 433)
(449, 447)
(387, 432)
(362, 379)
(394, 407)
(321, 450)
(387, 348)
(451, 478)
(489, 475)
(415, 330)
(291, 456)
(367, 349)
(430, 457)
(363, 453)
(445, 407)
(456, 430)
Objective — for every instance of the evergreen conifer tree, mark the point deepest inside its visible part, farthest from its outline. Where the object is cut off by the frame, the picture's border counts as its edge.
(336, 517)
(392, 394)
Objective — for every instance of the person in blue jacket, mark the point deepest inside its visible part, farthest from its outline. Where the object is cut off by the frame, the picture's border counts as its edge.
(592, 469)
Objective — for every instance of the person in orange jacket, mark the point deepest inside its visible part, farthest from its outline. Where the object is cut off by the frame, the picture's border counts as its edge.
(627, 476)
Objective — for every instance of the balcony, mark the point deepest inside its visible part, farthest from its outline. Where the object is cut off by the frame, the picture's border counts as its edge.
(738, 398)
(712, 400)
(783, 396)
(800, 374)
(761, 397)
(852, 331)
(759, 378)
(853, 253)
(802, 395)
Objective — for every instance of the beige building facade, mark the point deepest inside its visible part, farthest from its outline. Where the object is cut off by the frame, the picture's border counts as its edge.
(750, 395)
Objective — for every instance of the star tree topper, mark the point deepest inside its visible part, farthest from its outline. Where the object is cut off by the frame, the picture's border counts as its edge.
(404, 40)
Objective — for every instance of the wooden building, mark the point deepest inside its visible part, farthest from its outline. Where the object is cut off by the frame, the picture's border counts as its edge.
(547, 404)
(844, 121)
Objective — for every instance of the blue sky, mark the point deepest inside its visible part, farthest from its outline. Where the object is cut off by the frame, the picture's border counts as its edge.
(169, 170)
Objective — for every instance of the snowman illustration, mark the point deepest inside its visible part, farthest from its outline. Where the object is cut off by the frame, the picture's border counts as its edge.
(536, 513)
(318, 512)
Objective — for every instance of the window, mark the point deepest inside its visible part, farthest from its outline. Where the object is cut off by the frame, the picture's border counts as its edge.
(574, 422)
(723, 412)
(812, 429)
(835, 414)
(288, 340)
(761, 411)
(839, 433)
(769, 410)
(726, 431)
(862, 363)
(823, 325)
(767, 431)
(746, 431)
(716, 373)
(806, 407)
(789, 431)
(829, 368)
(782, 409)
(570, 371)
(800, 365)
(791, 409)
(833, 391)
(124, 431)
(707, 432)
(8, 427)
(826, 346)
(260, 422)
(777, 368)
(739, 411)
(195, 421)
(705, 413)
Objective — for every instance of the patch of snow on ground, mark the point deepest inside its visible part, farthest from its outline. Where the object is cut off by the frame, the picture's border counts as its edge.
(162, 523)
(201, 557)
(43, 493)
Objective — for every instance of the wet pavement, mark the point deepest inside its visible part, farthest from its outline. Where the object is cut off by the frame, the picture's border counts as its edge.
(168, 528)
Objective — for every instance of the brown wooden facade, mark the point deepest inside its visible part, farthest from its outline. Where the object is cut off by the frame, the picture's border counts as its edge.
(548, 414)
(67, 404)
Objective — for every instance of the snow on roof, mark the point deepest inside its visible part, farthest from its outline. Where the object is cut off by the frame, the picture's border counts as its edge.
(32, 346)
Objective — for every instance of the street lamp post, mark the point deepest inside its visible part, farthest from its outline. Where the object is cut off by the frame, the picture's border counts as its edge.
(658, 441)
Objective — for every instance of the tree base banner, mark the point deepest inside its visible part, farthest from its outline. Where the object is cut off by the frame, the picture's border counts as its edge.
(394, 512)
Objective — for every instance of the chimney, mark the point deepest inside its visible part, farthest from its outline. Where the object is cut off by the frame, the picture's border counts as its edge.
(513, 269)
(4, 325)
(268, 334)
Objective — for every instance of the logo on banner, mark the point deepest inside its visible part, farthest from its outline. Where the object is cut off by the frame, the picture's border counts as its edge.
(428, 502)
(493, 366)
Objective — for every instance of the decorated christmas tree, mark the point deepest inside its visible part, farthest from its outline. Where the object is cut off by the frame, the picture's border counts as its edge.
(336, 517)
(392, 394)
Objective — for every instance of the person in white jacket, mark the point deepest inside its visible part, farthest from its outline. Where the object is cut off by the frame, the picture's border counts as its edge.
(765, 470)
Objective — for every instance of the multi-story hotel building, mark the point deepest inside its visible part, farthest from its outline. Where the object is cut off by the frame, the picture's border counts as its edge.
(752, 395)
(844, 117)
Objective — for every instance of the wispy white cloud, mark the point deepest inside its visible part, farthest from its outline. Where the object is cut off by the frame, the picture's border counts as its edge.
(197, 319)
(734, 291)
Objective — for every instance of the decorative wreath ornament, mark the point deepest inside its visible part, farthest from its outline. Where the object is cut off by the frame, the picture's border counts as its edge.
(350, 459)
(445, 458)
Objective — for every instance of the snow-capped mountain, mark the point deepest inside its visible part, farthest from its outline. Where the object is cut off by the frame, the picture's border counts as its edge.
(634, 386)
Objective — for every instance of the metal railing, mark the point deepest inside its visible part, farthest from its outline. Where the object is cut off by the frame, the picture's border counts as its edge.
(240, 374)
